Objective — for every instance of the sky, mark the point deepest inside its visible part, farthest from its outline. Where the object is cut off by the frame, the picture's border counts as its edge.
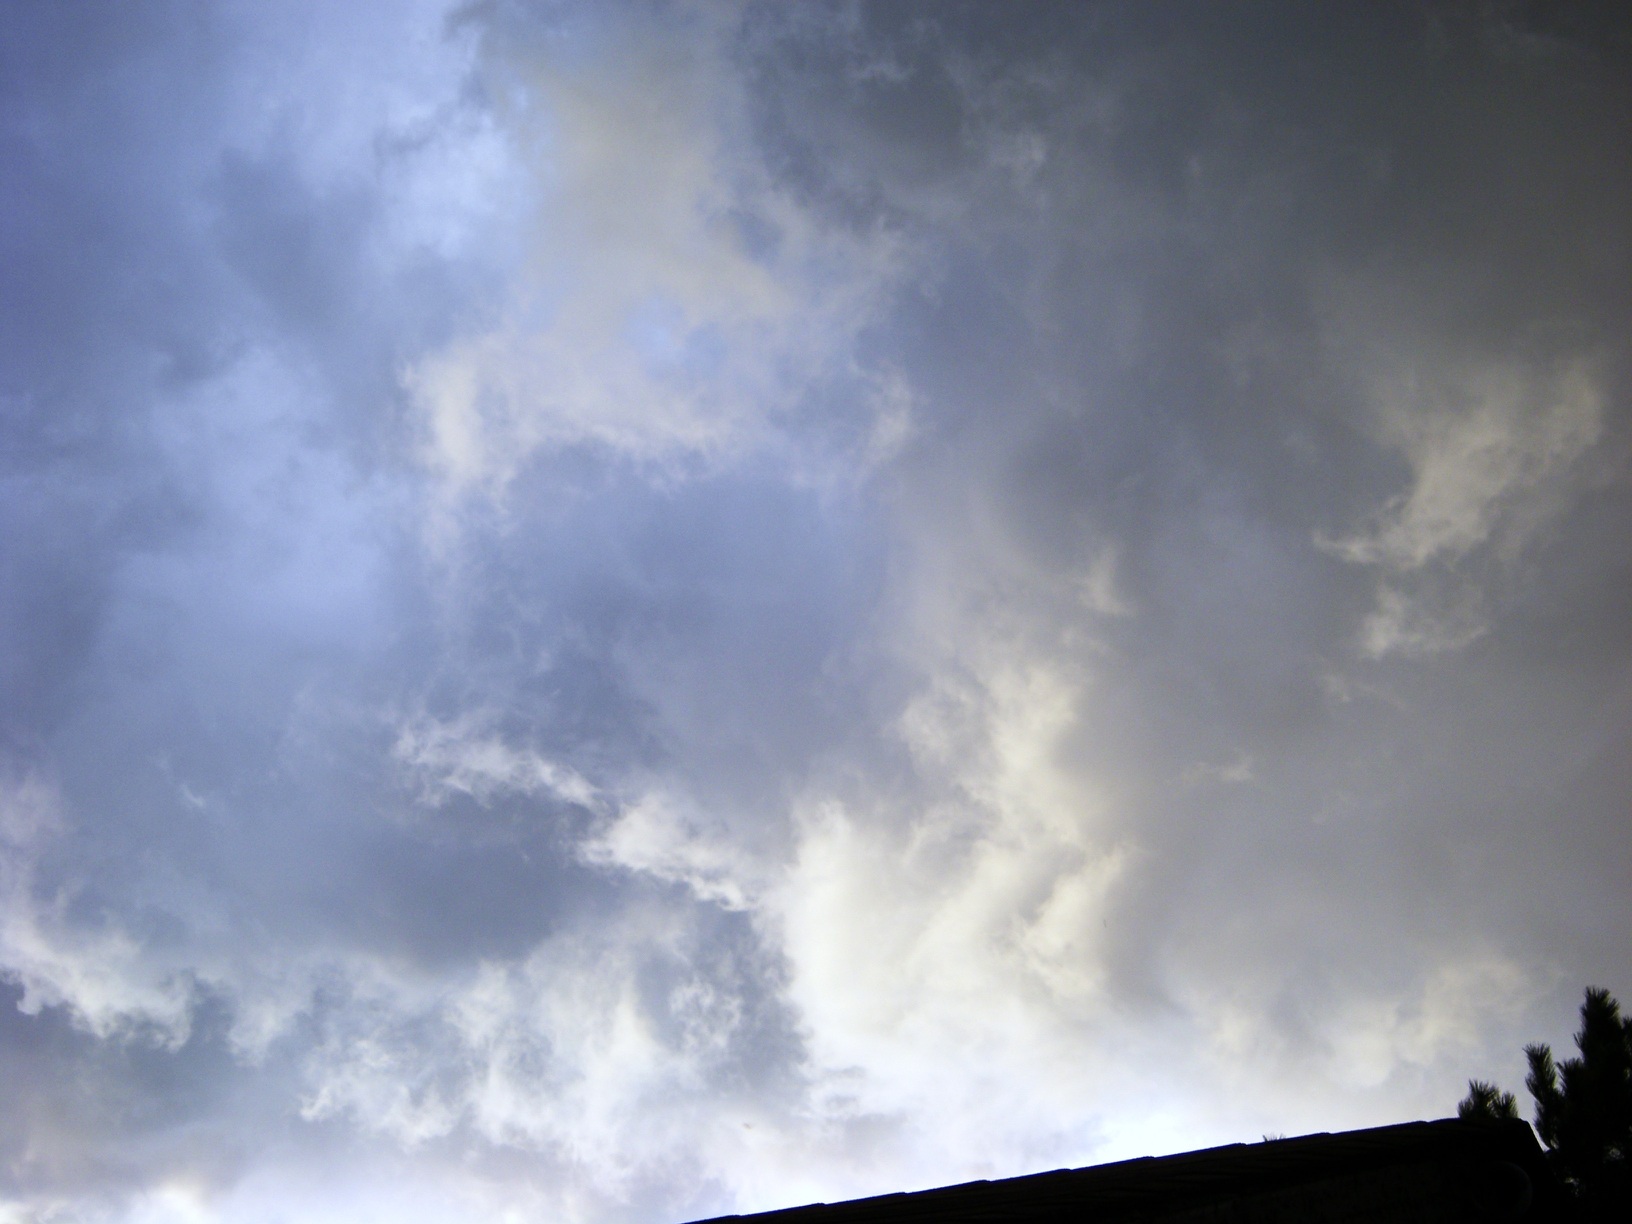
(618, 612)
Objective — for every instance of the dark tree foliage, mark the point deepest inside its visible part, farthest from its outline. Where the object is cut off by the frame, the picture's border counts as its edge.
(1487, 1101)
(1583, 1108)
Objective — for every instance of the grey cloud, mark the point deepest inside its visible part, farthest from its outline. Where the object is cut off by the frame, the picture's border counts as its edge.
(628, 615)
(1198, 410)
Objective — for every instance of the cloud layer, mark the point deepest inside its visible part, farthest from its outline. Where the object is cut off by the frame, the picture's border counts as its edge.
(619, 613)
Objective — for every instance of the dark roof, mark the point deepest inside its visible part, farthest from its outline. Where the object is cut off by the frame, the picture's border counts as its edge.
(1419, 1171)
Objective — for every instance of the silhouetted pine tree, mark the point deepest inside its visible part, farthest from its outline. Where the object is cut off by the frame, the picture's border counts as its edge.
(1487, 1101)
(1583, 1108)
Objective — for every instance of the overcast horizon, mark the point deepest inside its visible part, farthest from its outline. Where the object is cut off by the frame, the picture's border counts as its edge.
(621, 612)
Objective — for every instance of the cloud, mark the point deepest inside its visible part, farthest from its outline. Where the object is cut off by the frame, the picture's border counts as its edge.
(607, 1050)
(1414, 627)
(447, 757)
(1100, 589)
(662, 837)
(1495, 456)
(674, 301)
(618, 615)
(1234, 773)
(101, 976)
(1485, 454)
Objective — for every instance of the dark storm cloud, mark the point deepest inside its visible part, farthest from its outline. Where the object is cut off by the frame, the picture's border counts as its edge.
(624, 612)
(1183, 393)
(1177, 253)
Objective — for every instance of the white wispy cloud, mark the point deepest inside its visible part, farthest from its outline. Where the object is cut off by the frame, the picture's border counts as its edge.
(1486, 450)
(102, 975)
(465, 756)
(1495, 456)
